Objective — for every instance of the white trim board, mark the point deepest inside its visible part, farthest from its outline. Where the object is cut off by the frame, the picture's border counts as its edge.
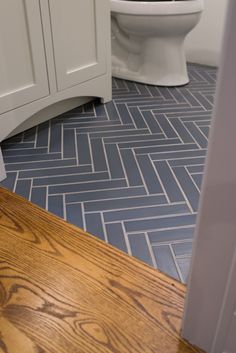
(211, 297)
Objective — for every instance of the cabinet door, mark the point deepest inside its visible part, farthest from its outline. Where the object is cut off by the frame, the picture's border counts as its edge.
(23, 74)
(78, 28)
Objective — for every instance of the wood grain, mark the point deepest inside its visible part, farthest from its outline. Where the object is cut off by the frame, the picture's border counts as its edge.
(64, 291)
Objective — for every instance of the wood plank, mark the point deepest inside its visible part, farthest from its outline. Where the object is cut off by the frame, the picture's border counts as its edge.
(64, 291)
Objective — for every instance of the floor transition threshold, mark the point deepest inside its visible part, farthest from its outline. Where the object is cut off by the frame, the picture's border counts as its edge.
(64, 291)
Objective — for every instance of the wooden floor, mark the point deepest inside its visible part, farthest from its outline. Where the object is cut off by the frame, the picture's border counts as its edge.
(64, 291)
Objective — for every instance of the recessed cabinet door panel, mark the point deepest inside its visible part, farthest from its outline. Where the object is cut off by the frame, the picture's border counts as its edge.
(78, 30)
(23, 73)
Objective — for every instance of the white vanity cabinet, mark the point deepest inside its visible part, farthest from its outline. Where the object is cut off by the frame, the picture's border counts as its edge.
(54, 56)
(78, 40)
(23, 72)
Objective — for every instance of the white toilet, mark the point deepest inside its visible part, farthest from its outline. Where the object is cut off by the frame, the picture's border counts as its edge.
(148, 39)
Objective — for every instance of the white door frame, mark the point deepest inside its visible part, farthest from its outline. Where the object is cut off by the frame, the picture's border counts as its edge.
(210, 309)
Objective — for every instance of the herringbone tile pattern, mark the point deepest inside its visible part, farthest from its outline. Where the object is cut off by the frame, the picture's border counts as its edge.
(129, 172)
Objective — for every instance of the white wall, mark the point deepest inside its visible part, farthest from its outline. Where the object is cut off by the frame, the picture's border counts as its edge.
(203, 44)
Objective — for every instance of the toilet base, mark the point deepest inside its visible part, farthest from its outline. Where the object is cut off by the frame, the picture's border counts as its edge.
(125, 74)
(159, 61)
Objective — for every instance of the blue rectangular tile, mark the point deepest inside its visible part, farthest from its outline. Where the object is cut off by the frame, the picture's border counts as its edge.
(114, 161)
(42, 134)
(205, 130)
(183, 249)
(153, 90)
(168, 181)
(134, 138)
(165, 261)
(198, 179)
(158, 149)
(139, 248)
(159, 223)
(98, 155)
(196, 133)
(106, 194)
(39, 196)
(69, 150)
(121, 131)
(74, 215)
(9, 182)
(151, 122)
(184, 265)
(88, 107)
(178, 155)
(190, 97)
(151, 179)
(89, 186)
(121, 203)
(138, 118)
(164, 92)
(55, 140)
(124, 114)
(175, 92)
(94, 225)
(32, 158)
(170, 235)
(8, 146)
(187, 162)
(145, 212)
(149, 143)
(55, 171)
(56, 205)
(70, 179)
(115, 236)
(188, 187)
(28, 135)
(204, 102)
(21, 153)
(23, 188)
(182, 131)
(131, 168)
(196, 169)
(40, 165)
(84, 155)
(112, 112)
(166, 126)
(108, 126)
(100, 109)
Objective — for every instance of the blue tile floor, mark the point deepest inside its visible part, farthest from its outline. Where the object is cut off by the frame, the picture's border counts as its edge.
(129, 171)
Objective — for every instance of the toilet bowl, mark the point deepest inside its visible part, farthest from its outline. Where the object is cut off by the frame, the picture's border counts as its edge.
(148, 39)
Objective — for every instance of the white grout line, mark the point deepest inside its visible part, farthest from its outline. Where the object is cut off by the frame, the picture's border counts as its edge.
(129, 208)
(47, 196)
(76, 149)
(83, 216)
(126, 239)
(173, 242)
(78, 183)
(31, 186)
(64, 206)
(140, 172)
(192, 178)
(176, 264)
(106, 159)
(15, 183)
(104, 229)
(181, 189)
(160, 181)
(151, 251)
(146, 218)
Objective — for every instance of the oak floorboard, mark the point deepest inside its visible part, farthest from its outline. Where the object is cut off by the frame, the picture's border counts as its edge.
(65, 291)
